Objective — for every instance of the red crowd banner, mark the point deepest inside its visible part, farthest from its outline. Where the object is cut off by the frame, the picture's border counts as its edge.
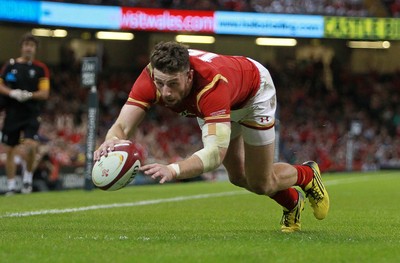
(167, 20)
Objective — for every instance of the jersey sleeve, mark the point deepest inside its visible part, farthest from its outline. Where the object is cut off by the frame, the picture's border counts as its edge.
(44, 78)
(143, 92)
(4, 70)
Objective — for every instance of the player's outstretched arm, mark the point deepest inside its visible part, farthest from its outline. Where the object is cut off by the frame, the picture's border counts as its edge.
(123, 128)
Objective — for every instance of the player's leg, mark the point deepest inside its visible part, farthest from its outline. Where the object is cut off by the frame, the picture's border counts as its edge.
(10, 140)
(270, 179)
(275, 181)
(10, 137)
(234, 158)
(262, 159)
(259, 163)
(30, 144)
(257, 129)
(31, 148)
(263, 176)
(11, 169)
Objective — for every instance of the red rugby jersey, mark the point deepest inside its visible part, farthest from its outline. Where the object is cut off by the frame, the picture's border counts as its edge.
(220, 84)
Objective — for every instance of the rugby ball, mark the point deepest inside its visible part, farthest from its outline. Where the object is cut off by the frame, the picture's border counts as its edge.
(118, 169)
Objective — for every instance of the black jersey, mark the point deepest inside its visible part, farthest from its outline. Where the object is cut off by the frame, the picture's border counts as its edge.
(31, 76)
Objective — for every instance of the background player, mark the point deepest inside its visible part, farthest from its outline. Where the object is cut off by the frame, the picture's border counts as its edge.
(25, 83)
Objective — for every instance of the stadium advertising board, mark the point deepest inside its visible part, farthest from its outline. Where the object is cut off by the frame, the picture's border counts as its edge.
(19, 11)
(78, 15)
(259, 24)
(362, 28)
(167, 20)
(218, 22)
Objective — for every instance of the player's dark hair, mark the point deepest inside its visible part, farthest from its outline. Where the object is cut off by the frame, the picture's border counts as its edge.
(29, 37)
(170, 57)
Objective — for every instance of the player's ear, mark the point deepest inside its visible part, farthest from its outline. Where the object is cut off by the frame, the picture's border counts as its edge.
(190, 74)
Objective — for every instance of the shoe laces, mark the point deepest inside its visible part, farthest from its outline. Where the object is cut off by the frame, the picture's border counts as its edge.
(315, 192)
(289, 217)
(286, 218)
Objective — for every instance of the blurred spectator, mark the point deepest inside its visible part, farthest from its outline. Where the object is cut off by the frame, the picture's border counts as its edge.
(46, 177)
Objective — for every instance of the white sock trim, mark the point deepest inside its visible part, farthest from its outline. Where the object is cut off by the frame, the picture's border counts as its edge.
(27, 178)
(11, 184)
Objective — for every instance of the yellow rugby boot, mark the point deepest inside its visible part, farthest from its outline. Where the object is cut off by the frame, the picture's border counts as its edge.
(291, 220)
(316, 192)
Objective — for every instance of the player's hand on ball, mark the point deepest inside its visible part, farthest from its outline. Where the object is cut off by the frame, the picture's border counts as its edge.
(158, 171)
(106, 147)
(118, 169)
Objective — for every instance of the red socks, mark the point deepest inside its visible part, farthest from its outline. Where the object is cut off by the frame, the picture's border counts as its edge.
(287, 198)
(304, 175)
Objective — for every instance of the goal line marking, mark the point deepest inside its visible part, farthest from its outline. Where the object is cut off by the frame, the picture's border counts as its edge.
(117, 205)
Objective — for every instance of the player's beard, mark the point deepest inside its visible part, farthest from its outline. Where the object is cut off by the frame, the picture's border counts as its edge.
(177, 100)
(173, 102)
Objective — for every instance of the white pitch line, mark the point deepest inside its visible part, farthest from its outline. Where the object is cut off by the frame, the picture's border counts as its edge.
(159, 201)
(351, 180)
(108, 206)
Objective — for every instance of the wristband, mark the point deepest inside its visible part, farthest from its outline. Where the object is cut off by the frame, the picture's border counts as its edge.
(175, 167)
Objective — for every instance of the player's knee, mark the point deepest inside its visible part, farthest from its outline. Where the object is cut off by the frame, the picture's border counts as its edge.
(30, 145)
(238, 180)
(261, 190)
(263, 187)
(237, 177)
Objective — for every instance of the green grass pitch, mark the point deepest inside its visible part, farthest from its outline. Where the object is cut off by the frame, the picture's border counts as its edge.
(202, 222)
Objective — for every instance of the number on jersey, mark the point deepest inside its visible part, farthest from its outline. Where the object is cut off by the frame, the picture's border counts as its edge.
(205, 56)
